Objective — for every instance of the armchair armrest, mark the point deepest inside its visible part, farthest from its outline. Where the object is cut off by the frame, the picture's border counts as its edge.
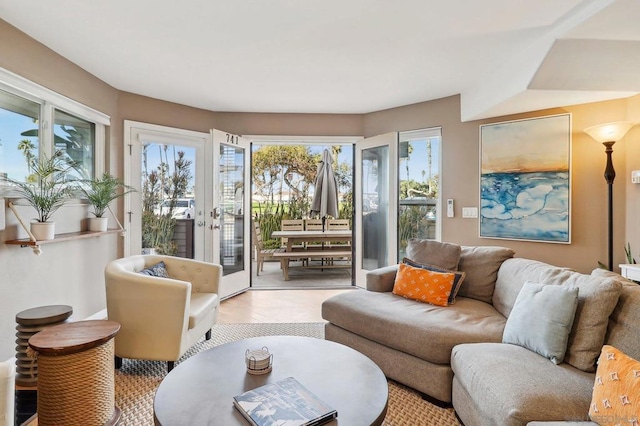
(382, 279)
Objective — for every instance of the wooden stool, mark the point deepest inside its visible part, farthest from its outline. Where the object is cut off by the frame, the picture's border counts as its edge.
(76, 374)
(30, 322)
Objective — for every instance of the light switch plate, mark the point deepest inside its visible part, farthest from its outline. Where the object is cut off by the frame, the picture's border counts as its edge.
(470, 212)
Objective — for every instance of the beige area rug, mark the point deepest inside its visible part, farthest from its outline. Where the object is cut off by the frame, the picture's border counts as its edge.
(136, 381)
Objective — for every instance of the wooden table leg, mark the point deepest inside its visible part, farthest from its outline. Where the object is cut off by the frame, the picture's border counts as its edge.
(284, 263)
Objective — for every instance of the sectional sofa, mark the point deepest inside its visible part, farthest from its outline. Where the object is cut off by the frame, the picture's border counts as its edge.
(455, 354)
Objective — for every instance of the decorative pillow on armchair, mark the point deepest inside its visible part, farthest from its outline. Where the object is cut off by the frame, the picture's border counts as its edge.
(157, 270)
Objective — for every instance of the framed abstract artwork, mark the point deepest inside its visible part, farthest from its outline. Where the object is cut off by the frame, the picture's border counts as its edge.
(525, 179)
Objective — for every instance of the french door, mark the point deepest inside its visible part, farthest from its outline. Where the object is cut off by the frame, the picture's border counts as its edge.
(230, 216)
(208, 173)
(376, 198)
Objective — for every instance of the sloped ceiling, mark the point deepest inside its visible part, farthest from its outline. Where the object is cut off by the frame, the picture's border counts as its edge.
(356, 56)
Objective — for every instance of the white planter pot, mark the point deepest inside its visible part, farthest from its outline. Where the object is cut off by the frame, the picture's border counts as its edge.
(98, 224)
(43, 230)
(148, 250)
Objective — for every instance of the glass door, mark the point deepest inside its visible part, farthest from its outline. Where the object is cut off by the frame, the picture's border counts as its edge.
(166, 213)
(376, 204)
(229, 243)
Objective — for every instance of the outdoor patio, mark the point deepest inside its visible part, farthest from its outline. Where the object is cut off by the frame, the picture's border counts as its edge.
(272, 277)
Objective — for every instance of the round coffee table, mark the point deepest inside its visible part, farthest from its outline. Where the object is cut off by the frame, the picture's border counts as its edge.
(200, 390)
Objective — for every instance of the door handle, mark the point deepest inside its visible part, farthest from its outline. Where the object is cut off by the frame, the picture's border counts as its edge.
(216, 226)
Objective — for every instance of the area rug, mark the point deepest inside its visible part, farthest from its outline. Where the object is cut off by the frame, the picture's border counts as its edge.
(136, 381)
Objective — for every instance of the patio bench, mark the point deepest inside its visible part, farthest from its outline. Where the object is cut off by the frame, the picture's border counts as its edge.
(329, 253)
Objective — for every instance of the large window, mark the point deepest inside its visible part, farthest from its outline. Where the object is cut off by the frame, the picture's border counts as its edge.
(36, 121)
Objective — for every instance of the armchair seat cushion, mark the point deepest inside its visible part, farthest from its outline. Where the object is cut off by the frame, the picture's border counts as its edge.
(202, 304)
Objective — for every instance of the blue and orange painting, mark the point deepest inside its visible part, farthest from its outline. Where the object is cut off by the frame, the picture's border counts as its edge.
(525, 179)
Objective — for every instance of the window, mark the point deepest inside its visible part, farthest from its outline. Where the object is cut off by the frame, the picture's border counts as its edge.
(19, 120)
(26, 113)
(419, 176)
(76, 138)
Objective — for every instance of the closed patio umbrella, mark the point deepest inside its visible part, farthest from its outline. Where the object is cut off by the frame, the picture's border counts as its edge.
(325, 197)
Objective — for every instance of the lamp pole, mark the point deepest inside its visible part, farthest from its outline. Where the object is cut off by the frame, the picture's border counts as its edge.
(609, 176)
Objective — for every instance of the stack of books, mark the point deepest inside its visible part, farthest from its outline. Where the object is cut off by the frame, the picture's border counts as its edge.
(283, 402)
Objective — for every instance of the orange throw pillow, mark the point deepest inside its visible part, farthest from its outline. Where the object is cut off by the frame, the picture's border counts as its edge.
(616, 392)
(423, 285)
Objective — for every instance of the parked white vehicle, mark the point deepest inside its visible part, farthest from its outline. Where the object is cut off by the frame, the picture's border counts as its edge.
(183, 209)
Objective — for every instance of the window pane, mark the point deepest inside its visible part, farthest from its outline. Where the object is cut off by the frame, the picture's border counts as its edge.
(18, 135)
(419, 179)
(375, 207)
(76, 138)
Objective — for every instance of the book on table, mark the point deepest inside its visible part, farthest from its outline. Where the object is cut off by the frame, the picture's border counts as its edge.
(285, 402)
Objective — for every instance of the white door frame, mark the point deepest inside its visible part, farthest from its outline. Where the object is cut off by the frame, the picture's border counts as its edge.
(391, 141)
(134, 134)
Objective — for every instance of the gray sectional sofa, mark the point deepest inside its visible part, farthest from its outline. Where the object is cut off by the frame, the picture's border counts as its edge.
(455, 354)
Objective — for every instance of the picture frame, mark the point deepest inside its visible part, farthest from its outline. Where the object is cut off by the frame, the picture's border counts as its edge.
(525, 179)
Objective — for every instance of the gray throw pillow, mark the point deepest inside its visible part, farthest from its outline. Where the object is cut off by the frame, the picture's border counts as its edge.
(436, 253)
(541, 319)
(157, 270)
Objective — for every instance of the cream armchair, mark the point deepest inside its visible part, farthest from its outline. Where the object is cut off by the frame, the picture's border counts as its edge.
(161, 318)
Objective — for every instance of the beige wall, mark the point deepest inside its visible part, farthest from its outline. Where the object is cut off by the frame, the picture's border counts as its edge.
(68, 273)
(460, 177)
(71, 272)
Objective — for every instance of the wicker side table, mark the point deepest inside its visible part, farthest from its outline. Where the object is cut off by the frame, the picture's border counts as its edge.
(76, 374)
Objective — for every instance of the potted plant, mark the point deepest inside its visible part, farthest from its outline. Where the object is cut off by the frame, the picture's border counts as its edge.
(46, 189)
(100, 192)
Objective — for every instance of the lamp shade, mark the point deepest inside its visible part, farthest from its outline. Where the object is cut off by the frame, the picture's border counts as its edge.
(609, 132)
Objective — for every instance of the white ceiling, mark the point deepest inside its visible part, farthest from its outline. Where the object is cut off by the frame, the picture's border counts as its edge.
(347, 56)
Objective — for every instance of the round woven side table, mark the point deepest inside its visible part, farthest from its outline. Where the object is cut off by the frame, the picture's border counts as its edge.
(76, 374)
(30, 322)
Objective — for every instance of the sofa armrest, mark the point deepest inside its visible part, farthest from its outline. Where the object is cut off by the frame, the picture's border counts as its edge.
(382, 279)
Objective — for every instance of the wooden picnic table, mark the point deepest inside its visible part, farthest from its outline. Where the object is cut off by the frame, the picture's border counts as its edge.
(296, 238)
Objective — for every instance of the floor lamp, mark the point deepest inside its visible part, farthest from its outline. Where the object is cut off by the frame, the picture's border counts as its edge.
(608, 134)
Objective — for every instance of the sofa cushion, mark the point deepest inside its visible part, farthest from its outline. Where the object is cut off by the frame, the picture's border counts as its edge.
(512, 385)
(541, 319)
(457, 282)
(616, 392)
(423, 285)
(597, 298)
(426, 331)
(430, 252)
(156, 270)
(481, 264)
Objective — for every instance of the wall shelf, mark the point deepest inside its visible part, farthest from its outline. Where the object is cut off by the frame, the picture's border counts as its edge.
(26, 242)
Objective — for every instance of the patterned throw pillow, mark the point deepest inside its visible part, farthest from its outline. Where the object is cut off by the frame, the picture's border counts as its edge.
(157, 270)
(616, 392)
(457, 282)
(423, 285)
